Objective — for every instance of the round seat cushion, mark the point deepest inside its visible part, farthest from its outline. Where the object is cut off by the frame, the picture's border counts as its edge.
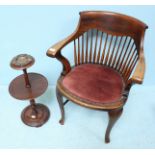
(94, 83)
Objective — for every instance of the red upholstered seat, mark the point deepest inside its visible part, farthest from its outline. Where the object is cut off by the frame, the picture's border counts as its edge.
(94, 83)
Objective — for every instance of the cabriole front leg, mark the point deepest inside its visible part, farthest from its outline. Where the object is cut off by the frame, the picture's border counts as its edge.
(61, 105)
(113, 117)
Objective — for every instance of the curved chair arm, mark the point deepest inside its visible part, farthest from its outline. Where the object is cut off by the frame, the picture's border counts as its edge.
(65, 63)
(56, 48)
(139, 72)
(55, 52)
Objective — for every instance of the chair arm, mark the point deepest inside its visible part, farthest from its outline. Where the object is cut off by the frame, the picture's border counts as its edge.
(55, 52)
(56, 48)
(139, 72)
(65, 63)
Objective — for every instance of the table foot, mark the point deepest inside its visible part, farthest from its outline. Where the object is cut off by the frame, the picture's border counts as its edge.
(35, 118)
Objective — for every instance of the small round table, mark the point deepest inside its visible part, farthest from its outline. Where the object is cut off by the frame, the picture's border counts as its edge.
(28, 86)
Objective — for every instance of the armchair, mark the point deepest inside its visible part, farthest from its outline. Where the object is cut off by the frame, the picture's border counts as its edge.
(108, 60)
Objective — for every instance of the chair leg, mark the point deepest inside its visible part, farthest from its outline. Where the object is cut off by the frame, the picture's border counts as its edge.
(113, 117)
(61, 105)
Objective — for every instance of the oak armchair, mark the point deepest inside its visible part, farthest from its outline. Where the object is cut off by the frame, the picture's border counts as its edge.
(108, 60)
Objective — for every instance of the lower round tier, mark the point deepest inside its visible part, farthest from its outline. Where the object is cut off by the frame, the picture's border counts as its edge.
(35, 117)
(19, 90)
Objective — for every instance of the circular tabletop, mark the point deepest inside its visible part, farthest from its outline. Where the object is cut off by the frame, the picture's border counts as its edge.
(19, 91)
(22, 61)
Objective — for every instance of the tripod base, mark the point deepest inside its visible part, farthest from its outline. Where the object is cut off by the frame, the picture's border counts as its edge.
(35, 117)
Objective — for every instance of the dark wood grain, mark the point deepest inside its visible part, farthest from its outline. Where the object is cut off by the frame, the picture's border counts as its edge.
(27, 87)
(113, 40)
(38, 86)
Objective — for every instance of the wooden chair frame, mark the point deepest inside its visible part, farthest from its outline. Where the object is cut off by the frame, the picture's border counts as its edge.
(113, 24)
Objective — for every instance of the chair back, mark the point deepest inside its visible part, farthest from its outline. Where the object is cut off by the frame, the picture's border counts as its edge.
(110, 39)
